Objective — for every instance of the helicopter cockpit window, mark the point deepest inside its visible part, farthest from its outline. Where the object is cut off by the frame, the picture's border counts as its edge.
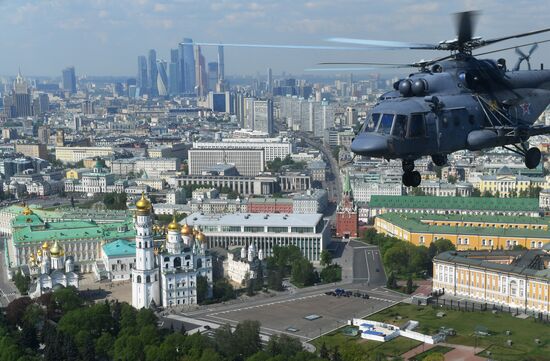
(371, 122)
(386, 121)
(400, 126)
(417, 126)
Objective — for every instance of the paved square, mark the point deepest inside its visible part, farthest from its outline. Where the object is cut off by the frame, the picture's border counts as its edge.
(278, 316)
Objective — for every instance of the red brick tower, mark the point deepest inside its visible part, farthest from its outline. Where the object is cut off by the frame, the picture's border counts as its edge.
(347, 216)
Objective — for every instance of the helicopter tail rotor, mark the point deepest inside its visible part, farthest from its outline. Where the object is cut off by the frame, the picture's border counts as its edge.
(526, 57)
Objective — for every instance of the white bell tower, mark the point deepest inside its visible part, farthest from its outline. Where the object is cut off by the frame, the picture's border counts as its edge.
(145, 275)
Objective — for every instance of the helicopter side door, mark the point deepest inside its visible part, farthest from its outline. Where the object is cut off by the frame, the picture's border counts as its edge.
(452, 130)
(411, 135)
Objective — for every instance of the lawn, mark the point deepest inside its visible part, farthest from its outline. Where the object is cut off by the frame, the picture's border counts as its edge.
(523, 332)
(439, 349)
(354, 348)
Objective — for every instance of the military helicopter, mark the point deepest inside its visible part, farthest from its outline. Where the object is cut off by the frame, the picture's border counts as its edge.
(455, 102)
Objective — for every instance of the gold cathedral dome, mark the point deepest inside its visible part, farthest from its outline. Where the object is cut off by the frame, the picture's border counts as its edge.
(174, 225)
(186, 230)
(56, 250)
(143, 204)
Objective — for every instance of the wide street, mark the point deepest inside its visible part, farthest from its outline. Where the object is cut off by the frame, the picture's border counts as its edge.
(8, 291)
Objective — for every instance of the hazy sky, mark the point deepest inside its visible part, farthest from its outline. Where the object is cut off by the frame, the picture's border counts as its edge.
(104, 37)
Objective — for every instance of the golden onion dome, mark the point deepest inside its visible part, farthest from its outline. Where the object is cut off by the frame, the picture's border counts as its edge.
(56, 249)
(31, 257)
(45, 245)
(143, 204)
(27, 211)
(39, 252)
(174, 225)
(201, 237)
(186, 230)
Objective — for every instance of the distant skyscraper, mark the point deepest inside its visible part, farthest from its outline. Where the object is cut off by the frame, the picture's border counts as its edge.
(21, 97)
(263, 116)
(269, 83)
(187, 66)
(200, 73)
(142, 82)
(153, 72)
(212, 75)
(221, 69)
(162, 78)
(69, 80)
(174, 76)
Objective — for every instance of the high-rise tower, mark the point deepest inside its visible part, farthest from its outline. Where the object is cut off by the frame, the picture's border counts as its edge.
(187, 66)
(152, 67)
(142, 74)
(145, 275)
(69, 80)
(162, 78)
(347, 216)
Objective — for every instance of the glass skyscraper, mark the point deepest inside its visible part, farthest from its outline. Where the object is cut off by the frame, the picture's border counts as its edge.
(69, 80)
(153, 72)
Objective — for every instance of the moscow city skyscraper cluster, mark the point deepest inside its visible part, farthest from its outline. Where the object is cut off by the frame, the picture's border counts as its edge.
(186, 73)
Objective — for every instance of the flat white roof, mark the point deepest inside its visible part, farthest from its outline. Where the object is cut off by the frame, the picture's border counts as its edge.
(254, 219)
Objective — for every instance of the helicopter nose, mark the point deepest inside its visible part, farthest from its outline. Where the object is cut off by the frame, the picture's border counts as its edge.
(370, 145)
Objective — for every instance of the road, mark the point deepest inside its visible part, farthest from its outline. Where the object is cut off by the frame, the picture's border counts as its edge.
(367, 264)
(8, 291)
(334, 185)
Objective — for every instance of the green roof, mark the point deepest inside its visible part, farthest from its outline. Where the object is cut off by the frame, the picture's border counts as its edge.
(73, 230)
(412, 223)
(455, 203)
(471, 218)
(120, 248)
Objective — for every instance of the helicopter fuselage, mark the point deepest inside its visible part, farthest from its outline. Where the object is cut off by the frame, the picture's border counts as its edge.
(461, 104)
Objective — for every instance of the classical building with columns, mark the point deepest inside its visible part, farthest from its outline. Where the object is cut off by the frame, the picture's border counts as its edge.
(519, 279)
(81, 236)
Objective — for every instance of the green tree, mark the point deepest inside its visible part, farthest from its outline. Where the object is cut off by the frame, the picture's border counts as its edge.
(487, 193)
(302, 272)
(397, 257)
(451, 179)
(67, 299)
(115, 200)
(275, 280)
(283, 345)
(326, 258)
(202, 289)
(332, 273)
(104, 346)
(22, 282)
(247, 338)
(476, 192)
(391, 281)
(323, 351)
(409, 285)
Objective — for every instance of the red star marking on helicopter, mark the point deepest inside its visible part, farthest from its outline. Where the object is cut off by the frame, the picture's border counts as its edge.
(526, 107)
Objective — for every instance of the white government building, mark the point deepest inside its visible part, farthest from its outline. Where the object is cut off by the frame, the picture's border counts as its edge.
(276, 147)
(309, 232)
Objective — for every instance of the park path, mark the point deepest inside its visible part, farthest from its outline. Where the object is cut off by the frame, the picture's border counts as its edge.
(460, 352)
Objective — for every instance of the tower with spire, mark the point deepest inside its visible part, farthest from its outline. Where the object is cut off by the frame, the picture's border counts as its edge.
(145, 275)
(168, 277)
(347, 215)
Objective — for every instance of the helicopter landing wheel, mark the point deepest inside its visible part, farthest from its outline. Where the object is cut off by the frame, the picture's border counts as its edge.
(411, 179)
(532, 158)
(408, 166)
(439, 159)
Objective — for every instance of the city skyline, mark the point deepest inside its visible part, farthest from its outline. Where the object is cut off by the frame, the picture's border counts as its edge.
(117, 33)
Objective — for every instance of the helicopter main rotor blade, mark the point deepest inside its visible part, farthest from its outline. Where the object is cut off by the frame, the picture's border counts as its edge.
(384, 44)
(283, 46)
(496, 40)
(465, 23)
(384, 65)
(339, 69)
(512, 47)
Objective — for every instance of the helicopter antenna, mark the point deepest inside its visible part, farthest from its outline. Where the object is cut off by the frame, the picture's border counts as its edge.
(526, 57)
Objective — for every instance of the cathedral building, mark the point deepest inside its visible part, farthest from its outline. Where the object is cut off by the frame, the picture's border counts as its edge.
(167, 275)
(347, 215)
(50, 269)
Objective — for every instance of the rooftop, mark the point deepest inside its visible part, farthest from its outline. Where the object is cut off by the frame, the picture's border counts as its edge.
(455, 203)
(526, 263)
(120, 248)
(254, 219)
(413, 223)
